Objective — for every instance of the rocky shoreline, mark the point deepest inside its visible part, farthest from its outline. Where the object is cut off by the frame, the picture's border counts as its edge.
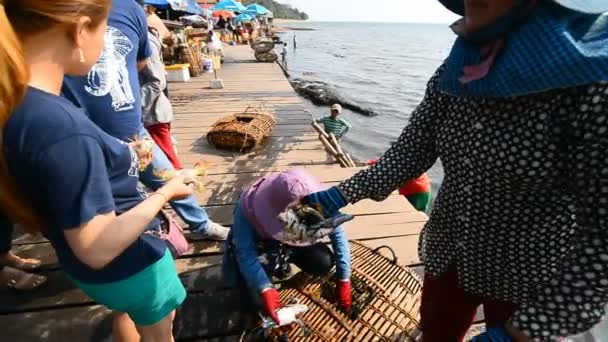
(323, 94)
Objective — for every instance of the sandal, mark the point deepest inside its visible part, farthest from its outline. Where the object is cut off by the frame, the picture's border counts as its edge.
(19, 263)
(19, 280)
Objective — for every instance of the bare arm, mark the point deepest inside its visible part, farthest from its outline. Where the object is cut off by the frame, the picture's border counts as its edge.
(99, 241)
(78, 191)
(414, 153)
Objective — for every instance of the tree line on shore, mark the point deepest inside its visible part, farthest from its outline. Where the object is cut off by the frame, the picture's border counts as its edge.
(280, 11)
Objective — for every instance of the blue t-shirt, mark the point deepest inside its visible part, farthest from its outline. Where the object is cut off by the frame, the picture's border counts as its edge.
(72, 171)
(110, 93)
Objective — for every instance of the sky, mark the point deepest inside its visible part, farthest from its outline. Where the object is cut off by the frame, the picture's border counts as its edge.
(416, 11)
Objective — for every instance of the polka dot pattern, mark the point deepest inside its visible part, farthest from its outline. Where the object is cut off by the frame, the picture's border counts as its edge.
(522, 211)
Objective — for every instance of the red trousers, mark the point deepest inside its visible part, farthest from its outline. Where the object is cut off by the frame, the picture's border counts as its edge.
(447, 312)
(161, 134)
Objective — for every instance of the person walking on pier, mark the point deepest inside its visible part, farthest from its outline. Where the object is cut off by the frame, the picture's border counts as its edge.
(334, 123)
(518, 115)
(284, 55)
(62, 176)
(111, 96)
(157, 110)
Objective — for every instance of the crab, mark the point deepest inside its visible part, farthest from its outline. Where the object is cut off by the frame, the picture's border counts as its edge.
(193, 176)
(305, 223)
(143, 148)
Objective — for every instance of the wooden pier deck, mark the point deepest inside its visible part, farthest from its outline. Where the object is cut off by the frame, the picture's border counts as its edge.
(60, 312)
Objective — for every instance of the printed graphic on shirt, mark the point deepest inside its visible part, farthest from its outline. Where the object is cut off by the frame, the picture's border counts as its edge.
(110, 75)
(142, 192)
(134, 168)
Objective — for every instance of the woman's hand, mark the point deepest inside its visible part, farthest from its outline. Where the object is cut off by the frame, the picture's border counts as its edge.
(144, 150)
(179, 187)
(328, 201)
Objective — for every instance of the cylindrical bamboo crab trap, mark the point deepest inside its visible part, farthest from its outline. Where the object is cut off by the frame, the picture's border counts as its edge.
(241, 131)
(386, 302)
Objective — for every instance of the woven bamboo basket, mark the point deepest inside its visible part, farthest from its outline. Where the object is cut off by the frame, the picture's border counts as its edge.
(193, 58)
(386, 302)
(262, 45)
(266, 57)
(242, 131)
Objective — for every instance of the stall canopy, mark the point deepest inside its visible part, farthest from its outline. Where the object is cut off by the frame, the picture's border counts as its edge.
(229, 5)
(255, 9)
(188, 6)
(241, 18)
(225, 14)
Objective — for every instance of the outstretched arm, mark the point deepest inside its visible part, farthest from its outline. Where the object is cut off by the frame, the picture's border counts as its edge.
(414, 153)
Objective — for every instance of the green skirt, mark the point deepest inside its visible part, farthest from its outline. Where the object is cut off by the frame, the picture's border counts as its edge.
(147, 297)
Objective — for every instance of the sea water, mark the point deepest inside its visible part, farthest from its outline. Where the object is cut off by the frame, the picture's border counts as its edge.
(383, 66)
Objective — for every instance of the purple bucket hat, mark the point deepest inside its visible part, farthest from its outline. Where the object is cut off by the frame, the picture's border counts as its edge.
(269, 196)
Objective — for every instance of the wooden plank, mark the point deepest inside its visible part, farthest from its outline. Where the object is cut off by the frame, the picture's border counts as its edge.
(93, 322)
(394, 204)
(199, 274)
(364, 226)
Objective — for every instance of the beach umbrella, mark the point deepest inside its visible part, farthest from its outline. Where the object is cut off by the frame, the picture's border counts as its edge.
(188, 6)
(255, 9)
(243, 17)
(225, 14)
(229, 5)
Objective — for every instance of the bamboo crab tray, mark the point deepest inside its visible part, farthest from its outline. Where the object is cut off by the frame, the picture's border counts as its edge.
(386, 302)
(242, 131)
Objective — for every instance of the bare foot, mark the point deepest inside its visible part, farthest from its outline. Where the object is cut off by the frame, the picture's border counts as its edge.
(12, 260)
(19, 280)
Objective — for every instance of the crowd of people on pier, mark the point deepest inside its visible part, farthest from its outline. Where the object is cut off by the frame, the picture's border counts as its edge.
(517, 113)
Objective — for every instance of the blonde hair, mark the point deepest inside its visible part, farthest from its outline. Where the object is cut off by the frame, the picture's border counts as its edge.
(20, 19)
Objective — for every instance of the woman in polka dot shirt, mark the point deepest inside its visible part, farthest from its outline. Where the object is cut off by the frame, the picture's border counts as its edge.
(518, 114)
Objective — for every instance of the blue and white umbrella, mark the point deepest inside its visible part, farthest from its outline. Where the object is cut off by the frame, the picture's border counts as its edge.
(243, 17)
(229, 5)
(189, 6)
(255, 9)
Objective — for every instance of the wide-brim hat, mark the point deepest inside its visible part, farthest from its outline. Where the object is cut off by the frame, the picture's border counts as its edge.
(582, 6)
(275, 193)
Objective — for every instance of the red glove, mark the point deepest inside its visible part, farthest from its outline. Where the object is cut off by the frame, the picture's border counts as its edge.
(272, 303)
(343, 293)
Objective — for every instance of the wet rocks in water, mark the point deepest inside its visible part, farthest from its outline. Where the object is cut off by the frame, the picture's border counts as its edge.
(322, 94)
(267, 57)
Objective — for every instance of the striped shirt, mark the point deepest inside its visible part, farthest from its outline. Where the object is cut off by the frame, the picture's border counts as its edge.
(338, 126)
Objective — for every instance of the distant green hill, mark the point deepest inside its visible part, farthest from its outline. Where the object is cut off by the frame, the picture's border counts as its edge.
(280, 11)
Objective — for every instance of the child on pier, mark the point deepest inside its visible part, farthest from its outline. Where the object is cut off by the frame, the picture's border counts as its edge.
(256, 248)
(334, 123)
(284, 55)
